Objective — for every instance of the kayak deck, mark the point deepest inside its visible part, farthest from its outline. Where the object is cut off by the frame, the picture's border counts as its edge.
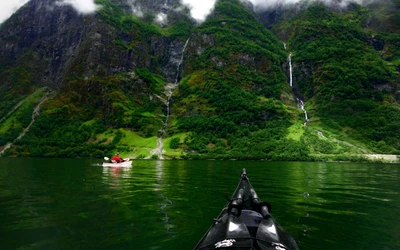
(246, 223)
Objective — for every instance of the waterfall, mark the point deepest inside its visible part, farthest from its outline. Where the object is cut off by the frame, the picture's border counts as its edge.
(301, 105)
(320, 133)
(168, 89)
(290, 66)
(180, 61)
(290, 69)
(171, 88)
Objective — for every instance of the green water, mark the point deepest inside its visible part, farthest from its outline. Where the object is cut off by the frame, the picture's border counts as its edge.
(77, 204)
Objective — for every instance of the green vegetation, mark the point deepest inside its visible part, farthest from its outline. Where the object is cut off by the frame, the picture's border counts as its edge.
(117, 17)
(234, 101)
(336, 50)
(181, 29)
(223, 108)
(20, 78)
(144, 28)
(136, 146)
(174, 143)
(74, 122)
(18, 118)
(242, 45)
(375, 125)
(350, 83)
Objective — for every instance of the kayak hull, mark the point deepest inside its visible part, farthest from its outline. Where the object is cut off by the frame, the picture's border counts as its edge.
(121, 164)
(246, 223)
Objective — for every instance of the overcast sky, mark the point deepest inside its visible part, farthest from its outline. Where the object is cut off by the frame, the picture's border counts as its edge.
(7, 8)
(199, 8)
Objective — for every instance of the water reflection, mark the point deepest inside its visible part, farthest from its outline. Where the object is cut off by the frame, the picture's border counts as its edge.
(72, 204)
(117, 172)
(116, 177)
(164, 201)
(338, 198)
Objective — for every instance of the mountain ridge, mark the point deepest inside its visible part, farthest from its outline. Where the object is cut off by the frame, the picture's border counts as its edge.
(109, 71)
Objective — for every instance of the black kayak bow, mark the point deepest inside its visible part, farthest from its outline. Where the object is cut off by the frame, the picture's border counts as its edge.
(246, 223)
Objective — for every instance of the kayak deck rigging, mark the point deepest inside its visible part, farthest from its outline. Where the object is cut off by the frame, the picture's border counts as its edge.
(246, 223)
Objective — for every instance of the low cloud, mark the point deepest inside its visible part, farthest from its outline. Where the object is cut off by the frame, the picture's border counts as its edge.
(7, 8)
(271, 3)
(81, 6)
(161, 18)
(199, 10)
(136, 10)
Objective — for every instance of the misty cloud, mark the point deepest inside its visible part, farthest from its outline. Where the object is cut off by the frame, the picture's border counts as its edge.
(81, 6)
(262, 4)
(200, 9)
(136, 10)
(161, 18)
(7, 8)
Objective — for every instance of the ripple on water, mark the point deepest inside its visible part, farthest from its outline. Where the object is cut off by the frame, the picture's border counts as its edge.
(70, 204)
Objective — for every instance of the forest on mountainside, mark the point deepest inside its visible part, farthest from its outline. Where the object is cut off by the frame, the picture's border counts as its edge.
(233, 101)
(354, 80)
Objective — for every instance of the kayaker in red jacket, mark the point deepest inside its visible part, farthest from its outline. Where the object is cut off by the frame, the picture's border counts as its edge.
(117, 159)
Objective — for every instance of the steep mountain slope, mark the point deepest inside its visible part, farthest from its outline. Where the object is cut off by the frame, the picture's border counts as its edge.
(114, 79)
(350, 76)
(100, 65)
(234, 84)
(385, 16)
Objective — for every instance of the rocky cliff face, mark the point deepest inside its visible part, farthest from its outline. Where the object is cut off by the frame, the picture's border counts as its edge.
(56, 42)
(113, 69)
(44, 38)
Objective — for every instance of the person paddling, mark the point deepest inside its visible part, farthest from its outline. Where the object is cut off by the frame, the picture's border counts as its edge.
(117, 159)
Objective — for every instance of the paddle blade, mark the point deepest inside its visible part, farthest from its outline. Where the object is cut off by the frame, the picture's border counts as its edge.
(106, 158)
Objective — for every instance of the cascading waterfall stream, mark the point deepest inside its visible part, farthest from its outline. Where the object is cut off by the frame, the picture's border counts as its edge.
(300, 103)
(171, 88)
(290, 70)
(180, 61)
(168, 91)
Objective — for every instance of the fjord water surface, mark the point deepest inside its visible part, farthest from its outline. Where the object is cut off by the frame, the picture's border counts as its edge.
(77, 204)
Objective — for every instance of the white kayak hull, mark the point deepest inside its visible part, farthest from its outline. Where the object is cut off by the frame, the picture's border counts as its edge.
(121, 164)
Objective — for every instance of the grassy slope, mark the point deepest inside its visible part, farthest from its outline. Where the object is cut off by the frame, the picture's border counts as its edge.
(235, 101)
(19, 117)
(76, 122)
(351, 91)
